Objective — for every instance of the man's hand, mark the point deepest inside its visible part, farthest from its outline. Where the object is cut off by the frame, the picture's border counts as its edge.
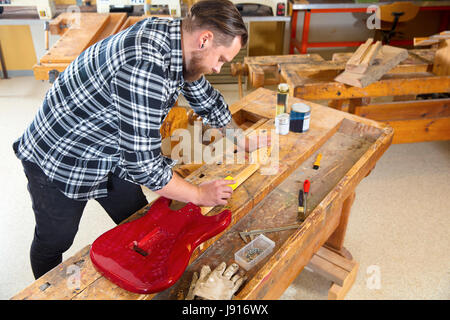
(213, 193)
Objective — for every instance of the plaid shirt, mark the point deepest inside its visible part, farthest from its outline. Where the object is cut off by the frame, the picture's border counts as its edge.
(104, 112)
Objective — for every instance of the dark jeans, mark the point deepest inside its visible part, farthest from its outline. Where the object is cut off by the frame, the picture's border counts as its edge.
(57, 216)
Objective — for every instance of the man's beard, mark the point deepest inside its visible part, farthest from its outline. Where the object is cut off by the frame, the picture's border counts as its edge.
(195, 69)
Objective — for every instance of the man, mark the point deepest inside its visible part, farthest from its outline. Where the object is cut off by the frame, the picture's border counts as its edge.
(97, 134)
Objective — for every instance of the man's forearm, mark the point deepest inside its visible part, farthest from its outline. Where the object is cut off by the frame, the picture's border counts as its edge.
(209, 194)
(180, 190)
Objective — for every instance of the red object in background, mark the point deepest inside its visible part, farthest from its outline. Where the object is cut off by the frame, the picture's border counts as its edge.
(303, 45)
(150, 254)
(306, 186)
(281, 9)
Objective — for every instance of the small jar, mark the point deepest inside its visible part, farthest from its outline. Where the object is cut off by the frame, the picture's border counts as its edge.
(282, 124)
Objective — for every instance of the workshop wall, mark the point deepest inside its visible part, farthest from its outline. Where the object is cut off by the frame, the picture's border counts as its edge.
(17, 47)
(23, 45)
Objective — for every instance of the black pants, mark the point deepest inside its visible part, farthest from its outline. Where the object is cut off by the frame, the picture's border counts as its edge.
(57, 216)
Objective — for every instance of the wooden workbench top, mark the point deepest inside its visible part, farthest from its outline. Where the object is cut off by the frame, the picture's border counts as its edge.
(350, 146)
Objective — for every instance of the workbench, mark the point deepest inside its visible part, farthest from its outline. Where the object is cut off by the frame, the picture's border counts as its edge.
(78, 32)
(393, 99)
(345, 6)
(350, 146)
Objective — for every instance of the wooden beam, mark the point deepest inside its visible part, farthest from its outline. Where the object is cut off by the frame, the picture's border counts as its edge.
(405, 110)
(420, 130)
(389, 87)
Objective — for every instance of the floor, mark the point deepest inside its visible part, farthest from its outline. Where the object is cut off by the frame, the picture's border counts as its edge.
(398, 230)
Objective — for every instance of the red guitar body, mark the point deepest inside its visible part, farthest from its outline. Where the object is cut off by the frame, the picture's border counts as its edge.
(150, 254)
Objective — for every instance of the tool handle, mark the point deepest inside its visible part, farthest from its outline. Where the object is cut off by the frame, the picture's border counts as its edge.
(319, 157)
(306, 186)
(300, 197)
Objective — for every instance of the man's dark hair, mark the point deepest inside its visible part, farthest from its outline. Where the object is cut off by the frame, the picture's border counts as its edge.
(221, 17)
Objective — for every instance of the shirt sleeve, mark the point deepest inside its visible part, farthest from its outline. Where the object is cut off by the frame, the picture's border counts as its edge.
(207, 102)
(138, 93)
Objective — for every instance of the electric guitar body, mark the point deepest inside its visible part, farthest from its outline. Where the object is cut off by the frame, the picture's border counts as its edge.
(150, 254)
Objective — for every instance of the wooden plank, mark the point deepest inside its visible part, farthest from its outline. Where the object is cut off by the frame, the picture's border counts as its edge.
(326, 269)
(420, 130)
(388, 58)
(434, 39)
(390, 87)
(371, 55)
(405, 110)
(361, 64)
(283, 59)
(240, 173)
(335, 259)
(357, 57)
(341, 271)
(424, 41)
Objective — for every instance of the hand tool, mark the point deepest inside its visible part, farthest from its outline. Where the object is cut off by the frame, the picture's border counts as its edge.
(251, 233)
(233, 186)
(306, 186)
(301, 209)
(317, 162)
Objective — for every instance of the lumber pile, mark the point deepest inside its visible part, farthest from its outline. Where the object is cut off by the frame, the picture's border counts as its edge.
(370, 62)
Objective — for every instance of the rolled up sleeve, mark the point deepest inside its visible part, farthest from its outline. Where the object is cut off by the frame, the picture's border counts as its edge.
(207, 102)
(138, 94)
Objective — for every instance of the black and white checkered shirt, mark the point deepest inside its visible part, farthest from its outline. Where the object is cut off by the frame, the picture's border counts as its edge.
(104, 112)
